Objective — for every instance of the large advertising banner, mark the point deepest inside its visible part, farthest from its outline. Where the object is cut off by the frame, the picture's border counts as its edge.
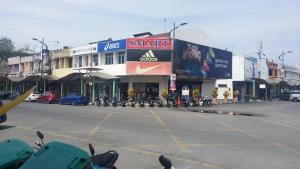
(143, 55)
(202, 61)
(148, 68)
(251, 68)
(148, 43)
(148, 62)
(110, 46)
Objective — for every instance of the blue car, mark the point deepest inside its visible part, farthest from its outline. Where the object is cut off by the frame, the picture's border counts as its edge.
(74, 99)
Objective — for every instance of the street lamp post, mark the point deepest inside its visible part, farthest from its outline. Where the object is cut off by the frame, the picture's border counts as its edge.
(42, 65)
(173, 80)
(281, 57)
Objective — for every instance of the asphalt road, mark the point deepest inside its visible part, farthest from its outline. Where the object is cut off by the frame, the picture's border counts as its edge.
(192, 140)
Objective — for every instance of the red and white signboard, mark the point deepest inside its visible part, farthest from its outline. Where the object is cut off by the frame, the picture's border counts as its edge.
(148, 68)
(148, 43)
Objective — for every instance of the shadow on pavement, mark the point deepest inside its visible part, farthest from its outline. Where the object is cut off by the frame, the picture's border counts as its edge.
(3, 127)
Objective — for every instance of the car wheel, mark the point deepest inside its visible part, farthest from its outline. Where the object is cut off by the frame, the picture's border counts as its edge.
(295, 99)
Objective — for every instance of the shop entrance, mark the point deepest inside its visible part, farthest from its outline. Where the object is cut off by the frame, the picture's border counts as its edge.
(147, 89)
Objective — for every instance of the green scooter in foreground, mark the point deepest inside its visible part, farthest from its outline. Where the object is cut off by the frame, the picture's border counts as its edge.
(16, 154)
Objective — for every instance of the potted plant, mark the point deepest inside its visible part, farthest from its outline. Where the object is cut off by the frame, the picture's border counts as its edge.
(131, 92)
(196, 93)
(215, 95)
(236, 94)
(226, 94)
(164, 94)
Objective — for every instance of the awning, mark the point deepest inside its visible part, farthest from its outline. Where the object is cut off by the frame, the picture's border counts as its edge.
(35, 77)
(289, 83)
(259, 80)
(4, 79)
(105, 75)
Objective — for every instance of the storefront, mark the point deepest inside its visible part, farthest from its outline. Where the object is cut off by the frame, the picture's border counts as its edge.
(148, 65)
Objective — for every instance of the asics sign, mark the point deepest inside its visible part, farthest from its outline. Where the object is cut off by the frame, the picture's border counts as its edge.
(111, 45)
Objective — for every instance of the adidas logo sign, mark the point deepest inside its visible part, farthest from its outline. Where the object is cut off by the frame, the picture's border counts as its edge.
(148, 57)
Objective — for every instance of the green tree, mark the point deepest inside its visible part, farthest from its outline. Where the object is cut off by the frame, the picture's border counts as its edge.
(7, 48)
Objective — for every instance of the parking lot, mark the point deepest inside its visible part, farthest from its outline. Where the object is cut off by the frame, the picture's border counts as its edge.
(191, 139)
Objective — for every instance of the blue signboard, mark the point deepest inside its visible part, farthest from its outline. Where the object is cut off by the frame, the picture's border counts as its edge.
(112, 45)
(194, 60)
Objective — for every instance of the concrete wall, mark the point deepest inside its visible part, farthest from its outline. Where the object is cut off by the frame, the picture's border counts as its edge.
(221, 89)
(115, 69)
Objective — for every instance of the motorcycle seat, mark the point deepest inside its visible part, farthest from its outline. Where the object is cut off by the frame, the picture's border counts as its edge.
(106, 159)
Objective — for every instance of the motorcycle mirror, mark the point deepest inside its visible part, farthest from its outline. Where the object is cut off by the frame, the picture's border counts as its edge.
(166, 162)
(38, 143)
(92, 150)
(41, 136)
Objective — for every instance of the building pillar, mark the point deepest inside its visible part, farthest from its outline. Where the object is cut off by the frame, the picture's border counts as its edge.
(11, 87)
(84, 89)
(93, 92)
(81, 85)
(253, 88)
(6, 87)
(113, 87)
(37, 85)
(44, 85)
(61, 89)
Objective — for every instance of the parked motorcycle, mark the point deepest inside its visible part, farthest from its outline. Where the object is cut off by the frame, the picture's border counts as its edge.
(123, 101)
(159, 102)
(142, 101)
(131, 101)
(172, 102)
(114, 101)
(194, 102)
(151, 101)
(105, 101)
(185, 101)
(99, 101)
(204, 101)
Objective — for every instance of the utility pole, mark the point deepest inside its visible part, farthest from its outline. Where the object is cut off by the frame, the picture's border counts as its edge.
(165, 22)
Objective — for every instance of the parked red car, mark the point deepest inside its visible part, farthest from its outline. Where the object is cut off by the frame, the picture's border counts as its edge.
(48, 97)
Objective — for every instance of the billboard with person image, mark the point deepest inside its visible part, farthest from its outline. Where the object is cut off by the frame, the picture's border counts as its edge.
(202, 61)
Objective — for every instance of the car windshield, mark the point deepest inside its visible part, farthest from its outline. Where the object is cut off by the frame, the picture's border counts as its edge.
(212, 84)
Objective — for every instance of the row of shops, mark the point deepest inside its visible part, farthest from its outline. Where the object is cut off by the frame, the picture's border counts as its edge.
(110, 68)
(259, 79)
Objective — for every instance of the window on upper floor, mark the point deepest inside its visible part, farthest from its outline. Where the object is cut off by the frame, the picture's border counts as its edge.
(95, 60)
(270, 72)
(56, 63)
(70, 60)
(80, 61)
(121, 57)
(109, 59)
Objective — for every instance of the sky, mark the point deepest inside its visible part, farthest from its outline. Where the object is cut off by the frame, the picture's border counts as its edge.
(236, 25)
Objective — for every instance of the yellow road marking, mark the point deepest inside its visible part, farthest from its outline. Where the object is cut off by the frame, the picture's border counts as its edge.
(172, 135)
(280, 124)
(43, 121)
(94, 131)
(144, 152)
(248, 134)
